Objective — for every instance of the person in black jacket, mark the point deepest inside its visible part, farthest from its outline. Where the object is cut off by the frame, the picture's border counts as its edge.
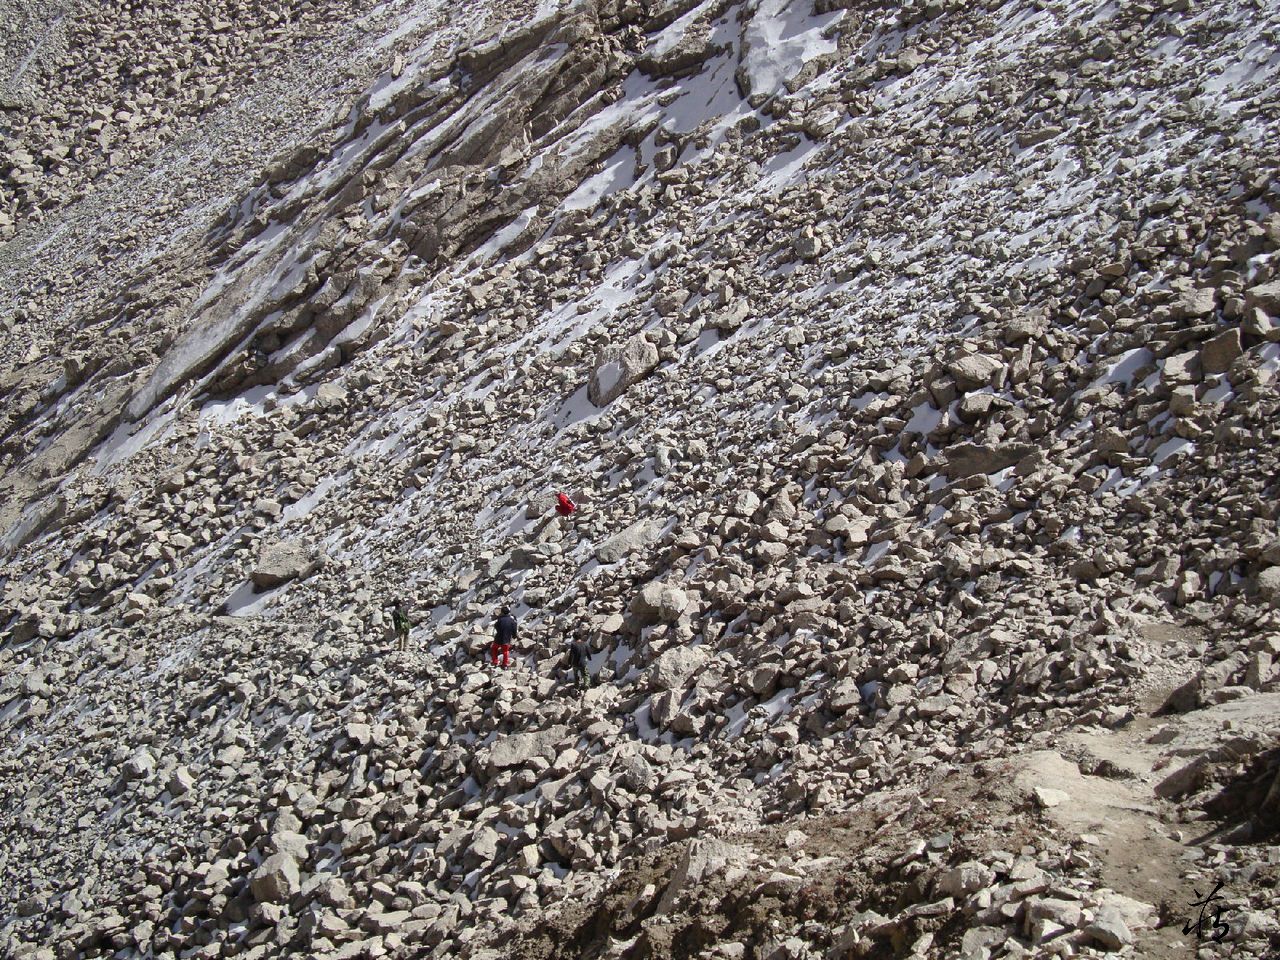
(504, 631)
(579, 658)
(401, 623)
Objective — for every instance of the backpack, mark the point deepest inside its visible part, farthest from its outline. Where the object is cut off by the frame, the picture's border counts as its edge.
(564, 506)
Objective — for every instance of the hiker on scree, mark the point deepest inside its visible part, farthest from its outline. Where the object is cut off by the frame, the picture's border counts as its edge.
(400, 623)
(579, 657)
(504, 631)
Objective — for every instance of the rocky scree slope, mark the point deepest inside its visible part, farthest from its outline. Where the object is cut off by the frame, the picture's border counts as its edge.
(126, 132)
(929, 345)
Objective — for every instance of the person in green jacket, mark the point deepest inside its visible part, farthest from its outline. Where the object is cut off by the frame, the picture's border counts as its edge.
(400, 623)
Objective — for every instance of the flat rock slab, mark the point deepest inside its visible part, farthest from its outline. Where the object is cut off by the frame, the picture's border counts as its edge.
(619, 367)
(639, 534)
(281, 562)
(968, 459)
(520, 748)
(675, 666)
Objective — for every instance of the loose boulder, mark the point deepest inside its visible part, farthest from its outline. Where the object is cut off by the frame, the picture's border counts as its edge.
(276, 880)
(659, 602)
(639, 534)
(1217, 355)
(974, 370)
(702, 858)
(964, 879)
(281, 562)
(618, 368)
(675, 666)
(969, 459)
(520, 748)
(1109, 930)
(1269, 585)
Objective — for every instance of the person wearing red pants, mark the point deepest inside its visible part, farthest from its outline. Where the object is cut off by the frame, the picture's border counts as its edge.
(504, 632)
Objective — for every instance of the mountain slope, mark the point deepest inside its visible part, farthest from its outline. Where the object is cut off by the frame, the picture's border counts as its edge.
(932, 347)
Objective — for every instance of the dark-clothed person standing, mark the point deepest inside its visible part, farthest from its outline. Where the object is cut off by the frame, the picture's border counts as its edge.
(401, 623)
(504, 632)
(580, 660)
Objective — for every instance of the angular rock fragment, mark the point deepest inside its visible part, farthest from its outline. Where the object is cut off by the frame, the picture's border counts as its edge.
(281, 562)
(659, 602)
(1109, 930)
(964, 879)
(701, 859)
(968, 459)
(627, 541)
(618, 368)
(974, 370)
(276, 879)
(1268, 582)
(519, 748)
(1217, 355)
(675, 666)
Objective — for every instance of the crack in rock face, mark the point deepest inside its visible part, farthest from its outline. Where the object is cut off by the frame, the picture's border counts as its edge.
(913, 371)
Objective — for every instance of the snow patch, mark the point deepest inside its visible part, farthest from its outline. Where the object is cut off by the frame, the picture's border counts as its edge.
(780, 38)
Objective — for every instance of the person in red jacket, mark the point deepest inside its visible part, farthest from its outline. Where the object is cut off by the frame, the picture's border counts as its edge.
(564, 506)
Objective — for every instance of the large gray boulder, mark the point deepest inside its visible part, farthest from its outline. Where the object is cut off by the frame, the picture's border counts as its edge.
(639, 534)
(281, 562)
(637, 774)
(703, 858)
(659, 602)
(1265, 296)
(1190, 776)
(293, 844)
(520, 748)
(1182, 367)
(1258, 323)
(965, 879)
(1269, 585)
(276, 880)
(140, 766)
(744, 504)
(1109, 929)
(675, 666)
(1195, 303)
(974, 370)
(968, 459)
(619, 367)
(181, 782)
(1217, 355)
